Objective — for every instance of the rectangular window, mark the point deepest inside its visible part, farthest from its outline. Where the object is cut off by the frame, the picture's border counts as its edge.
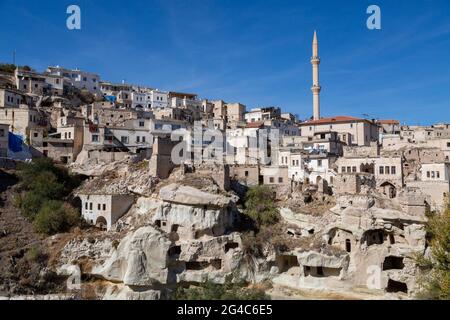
(437, 174)
(98, 206)
(90, 206)
(386, 169)
(319, 163)
(343, 169)
(271, 179)
(353, 169)
(246, 173)
(432, 174)
(381, 170)
(138, 139)
(280, 180)
(86, 205)
(349, 169)
(104, 207)
(428, 174)
(95, 138)
(143, 139)
(393, 170)
(141, 123)
(124, 139)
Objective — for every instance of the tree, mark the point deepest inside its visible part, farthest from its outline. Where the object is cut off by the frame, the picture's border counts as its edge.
(230, 290)
(55, 216)
(435, 279)
(46, 186)
(260, 205)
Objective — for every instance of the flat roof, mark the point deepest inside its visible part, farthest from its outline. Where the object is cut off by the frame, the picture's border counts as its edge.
(335, 119)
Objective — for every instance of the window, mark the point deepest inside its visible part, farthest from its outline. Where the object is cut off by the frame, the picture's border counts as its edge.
(124, 139)
(90, 206)
(349, 169)
(138, 139)
(319, 163)
(141, 123)
(293, 162)
(381, 170)
(86, 205)
(343, 169)
(386, 169)
(143, 139)
(432, 174)
(104, 207)
(271, 179)
(34, 134)
(95, 138)
(393, 170)
(448, 144)
(353, 169)
(246, 173)
(428, 174)
(280, 180)
(437, 174)
(98, 206)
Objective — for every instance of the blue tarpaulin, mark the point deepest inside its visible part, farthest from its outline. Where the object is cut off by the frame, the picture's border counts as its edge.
(15, 142)
(111, 99)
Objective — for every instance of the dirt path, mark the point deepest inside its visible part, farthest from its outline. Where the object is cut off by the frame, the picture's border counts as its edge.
(283, 293)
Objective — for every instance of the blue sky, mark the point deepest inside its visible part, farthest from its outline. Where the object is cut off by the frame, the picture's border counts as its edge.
(253, 52)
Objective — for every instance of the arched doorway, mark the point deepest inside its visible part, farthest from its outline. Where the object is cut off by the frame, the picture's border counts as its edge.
(389, 189)
(101, 223)
(318, 180)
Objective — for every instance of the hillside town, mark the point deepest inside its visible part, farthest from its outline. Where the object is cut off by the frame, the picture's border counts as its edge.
(166, 175)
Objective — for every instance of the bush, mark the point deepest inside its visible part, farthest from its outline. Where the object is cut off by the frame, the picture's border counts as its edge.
(42, 174)
(10, 68)
(34, 254)
(260, 205)
(31, 204)
(435, 278)
(55, 216)
(45, 186)
(228, 291)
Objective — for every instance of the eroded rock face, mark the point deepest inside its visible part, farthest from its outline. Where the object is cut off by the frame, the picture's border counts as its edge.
(190, 196)
(140, 259)
(122, 292)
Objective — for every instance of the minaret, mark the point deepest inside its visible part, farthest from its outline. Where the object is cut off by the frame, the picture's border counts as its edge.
(315, 61)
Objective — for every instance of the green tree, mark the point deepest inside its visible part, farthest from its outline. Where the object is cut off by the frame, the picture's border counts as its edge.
(230, 290)
(31, 204)
(260, 205)
(55, 216)
(45, 186)
(435, 278)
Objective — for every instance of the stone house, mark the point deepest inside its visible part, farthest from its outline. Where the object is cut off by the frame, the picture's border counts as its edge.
(277, 175)
(248, 175)
(434, 183)
(354, 130)
(103, 210)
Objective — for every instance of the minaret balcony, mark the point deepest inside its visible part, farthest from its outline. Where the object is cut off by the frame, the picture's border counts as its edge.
(316, 89)
(315, 60)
